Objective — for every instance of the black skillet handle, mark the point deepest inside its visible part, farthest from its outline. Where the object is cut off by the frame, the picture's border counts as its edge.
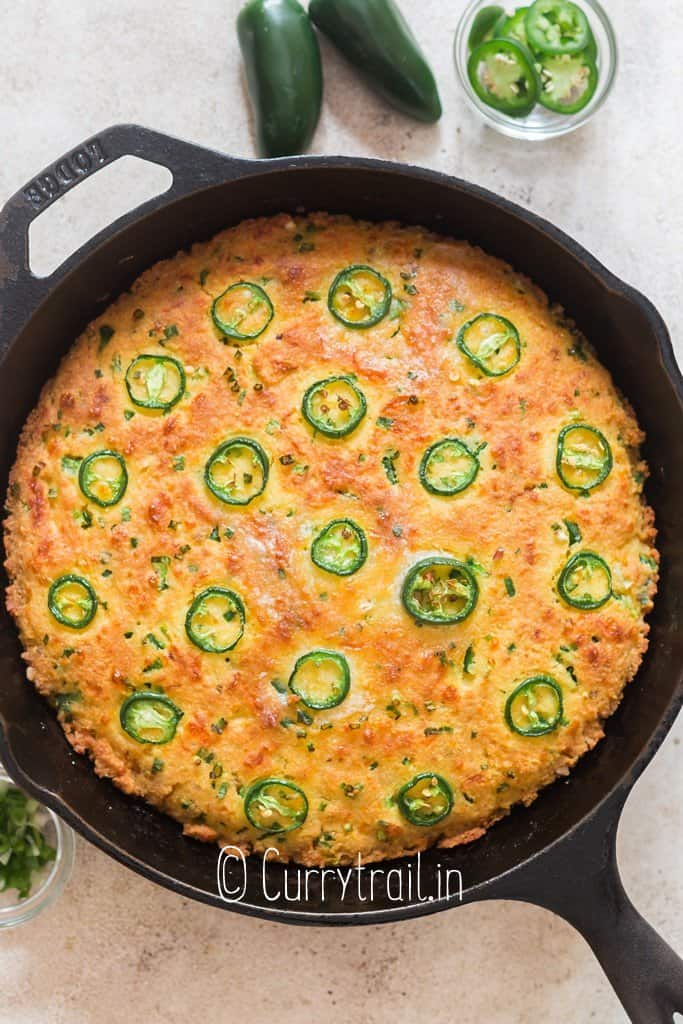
(578, 878)
(191, 166)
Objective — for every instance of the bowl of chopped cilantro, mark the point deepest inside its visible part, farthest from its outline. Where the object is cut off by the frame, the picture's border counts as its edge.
(36, 855)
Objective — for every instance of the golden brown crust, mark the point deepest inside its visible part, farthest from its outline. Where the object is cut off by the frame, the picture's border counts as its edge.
(411, 707)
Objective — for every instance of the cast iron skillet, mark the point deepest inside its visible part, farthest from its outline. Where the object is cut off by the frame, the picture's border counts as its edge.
(560, 852)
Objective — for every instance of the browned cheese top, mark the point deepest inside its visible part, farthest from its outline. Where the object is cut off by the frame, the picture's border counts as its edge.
(423, 699)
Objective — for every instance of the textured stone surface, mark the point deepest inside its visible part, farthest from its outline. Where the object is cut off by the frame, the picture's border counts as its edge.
(133, 950)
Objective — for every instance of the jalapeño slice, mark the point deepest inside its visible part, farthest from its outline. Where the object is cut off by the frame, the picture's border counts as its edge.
(237, 472)
(103, 477)
(359, 297)
(557, 26)
(585, 581)
(483, 24)
(321, 679)
(584, 457)
(334, 406)
(534, 708)
(513, 26)
(448, 467)
(150, 717)
(568, 82)
(215, 620)
(275, 806)
(155, 382)
(425, 800)
(242, 312)
(340, 548)
(72, 601)
(490, 342)
(502, 74)
(439, 591)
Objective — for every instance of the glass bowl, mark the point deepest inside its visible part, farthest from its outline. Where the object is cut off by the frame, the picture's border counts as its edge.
(47, 883)
(541, 124)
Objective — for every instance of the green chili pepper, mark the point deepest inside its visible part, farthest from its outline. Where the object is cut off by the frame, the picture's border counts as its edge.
(334, 406)
(557, 26)
(321, 679)
(483, 24)
(103, 477)
(513, 26)
(534, 708)
(72, 601)
(425, 800)
(359, 297)
(275, 806)
(155, 382)
(215, 620)
(375, 38)
(586, 581)
(448, 467)
(502, 74)
(340, 548)
(237, 472)
(284, 74)
(583, 458)
(440, 591)
(568, 82)
(242, 312)
(150, 717)
(490, 341)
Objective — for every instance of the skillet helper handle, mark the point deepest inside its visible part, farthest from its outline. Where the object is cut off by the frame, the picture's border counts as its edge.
(190, 165)
(579, 879)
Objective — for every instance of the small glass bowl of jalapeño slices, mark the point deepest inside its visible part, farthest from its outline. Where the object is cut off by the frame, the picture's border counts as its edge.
(539, 70)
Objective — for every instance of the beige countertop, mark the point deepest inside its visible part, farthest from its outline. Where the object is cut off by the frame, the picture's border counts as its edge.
(116, 948)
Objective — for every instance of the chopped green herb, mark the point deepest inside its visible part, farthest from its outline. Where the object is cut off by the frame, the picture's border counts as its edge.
(106, 334)
(179, 463)
(389, 463)
(574, 532)
(154, 666)
(154, 641)
(384, 422)
(468, 660)
(351, 789)
(70, 463)
(85, 517)
(24, 849)
(510, 587)
(161, 564)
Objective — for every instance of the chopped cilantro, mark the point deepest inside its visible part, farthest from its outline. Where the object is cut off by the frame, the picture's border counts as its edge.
(106, 334)
(161, 564)
(389, 463)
